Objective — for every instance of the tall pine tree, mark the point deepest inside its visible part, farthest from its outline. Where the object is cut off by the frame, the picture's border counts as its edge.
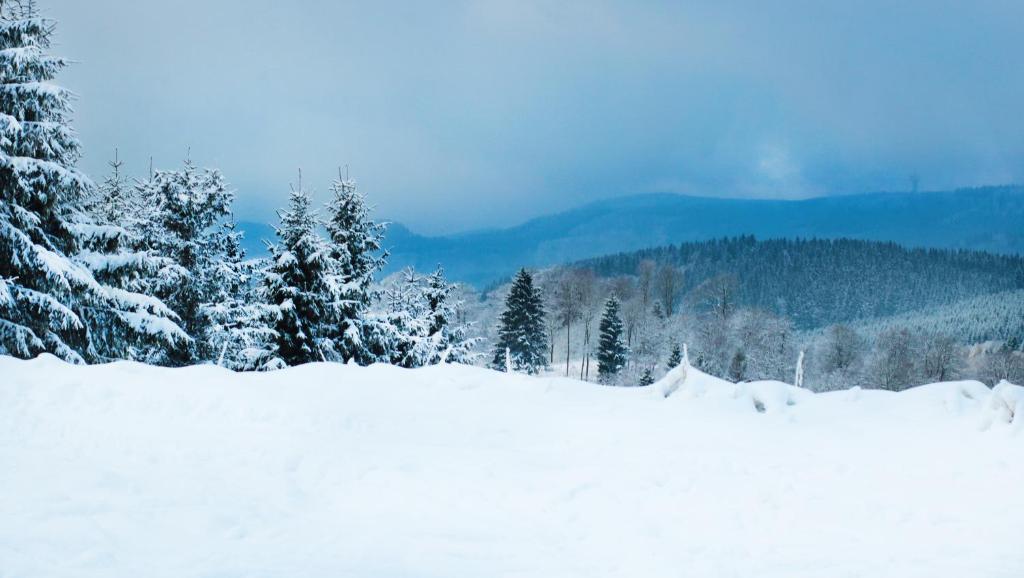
(355, 252)
(521, 330)
(449, 333)
(50, 301)
(190, 223)
(611, 352)
(675, 358)
(117, 254)
(299, 283)
(241, 332)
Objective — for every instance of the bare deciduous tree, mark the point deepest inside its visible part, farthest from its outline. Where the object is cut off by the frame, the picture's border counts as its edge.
(893, 366)
(668, 284)
(941, 358)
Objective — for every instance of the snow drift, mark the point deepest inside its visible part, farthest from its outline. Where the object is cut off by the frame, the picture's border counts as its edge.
(329, 470)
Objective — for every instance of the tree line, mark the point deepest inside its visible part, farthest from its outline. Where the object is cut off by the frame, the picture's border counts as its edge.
(561, 318)
(819, 282)
(152, 269)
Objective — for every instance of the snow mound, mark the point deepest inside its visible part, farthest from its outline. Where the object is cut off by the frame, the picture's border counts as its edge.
(126, 470)
(688, 382)
(1006, 406)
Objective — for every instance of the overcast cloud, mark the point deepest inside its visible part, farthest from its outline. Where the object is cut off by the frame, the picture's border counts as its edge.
(455, 115)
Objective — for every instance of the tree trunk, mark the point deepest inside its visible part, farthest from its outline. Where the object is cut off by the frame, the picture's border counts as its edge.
(586, 350)
(568, 325)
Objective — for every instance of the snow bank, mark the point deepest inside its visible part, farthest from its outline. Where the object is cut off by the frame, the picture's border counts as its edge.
(761, 396)
(1006, 406)
(327, 470)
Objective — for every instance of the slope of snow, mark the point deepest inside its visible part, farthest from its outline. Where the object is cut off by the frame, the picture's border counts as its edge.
(326, 470)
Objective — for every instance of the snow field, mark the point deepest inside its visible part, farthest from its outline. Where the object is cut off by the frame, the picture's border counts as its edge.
(329, 470)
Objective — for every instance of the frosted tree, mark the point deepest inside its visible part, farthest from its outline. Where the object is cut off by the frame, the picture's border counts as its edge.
(668, 283)
(120, 258)
(941, 358)
(355, 250)
(241, 329)
(299, 283)
(115, 200)
(675, 358)
(893, 365)
(647, 378)
(567, 305)
(421, 324)
(588, 295)
(611, 352)
(1005, 363)
(521, 328)
(452, 343)
(49, 300)
(400, 334)
(188, 217)
(738, 366)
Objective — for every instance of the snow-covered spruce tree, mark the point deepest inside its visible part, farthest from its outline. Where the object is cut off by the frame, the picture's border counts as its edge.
(300, 284)
(398, 333)
(675, 358)
(355, 250)
(50, 302)
(420, 324)
(115, 200)
(611, 352)
(190, 209)
(521, 328)
(241, 331)
(451, 335)
(647, 378)
(115, 252)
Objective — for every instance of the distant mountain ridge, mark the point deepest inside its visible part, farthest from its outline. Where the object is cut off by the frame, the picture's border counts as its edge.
(988, 219)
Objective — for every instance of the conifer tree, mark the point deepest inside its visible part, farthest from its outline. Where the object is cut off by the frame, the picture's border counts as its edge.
(50, 301)
(191, 207)
(521, 328)
(299, 284)
(420, 324)
(355, 250)
(119, 258)
(675, 358)
(241, 332)
(647, 378)
(398, 334)
(450, 336)
(611, 352)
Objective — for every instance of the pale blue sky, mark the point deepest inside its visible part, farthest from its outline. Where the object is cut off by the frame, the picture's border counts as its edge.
(455, 115)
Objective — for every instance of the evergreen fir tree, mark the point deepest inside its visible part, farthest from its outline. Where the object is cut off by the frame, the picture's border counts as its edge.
(738, 367)
(241, 331)
(675, 358)
(521, 328)
(299, 284)
(647, 378)
(117, 255)
(50, 300)
(450, 337)
(114, 201)
(401, 335)
(355, 249)
(191, 207)
(611, 352)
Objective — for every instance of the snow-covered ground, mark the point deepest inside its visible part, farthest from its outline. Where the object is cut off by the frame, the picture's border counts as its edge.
(325, 470)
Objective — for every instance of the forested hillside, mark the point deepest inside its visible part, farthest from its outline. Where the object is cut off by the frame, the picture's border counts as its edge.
(994, 317)
(819, 282)
(985, 219)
